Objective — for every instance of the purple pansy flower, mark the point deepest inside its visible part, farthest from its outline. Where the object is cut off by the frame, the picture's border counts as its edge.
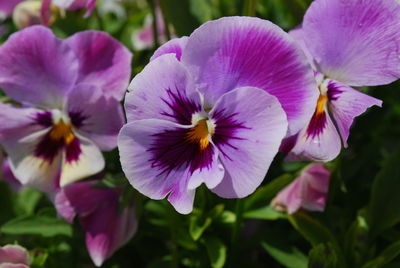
(349, 43)
(107, 229)
(213, 108)
(13, 256)
(70, 92)
(309, 191)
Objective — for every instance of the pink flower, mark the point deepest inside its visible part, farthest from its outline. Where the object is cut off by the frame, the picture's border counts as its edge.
(107, 226)
(13, 256)
(309, 191)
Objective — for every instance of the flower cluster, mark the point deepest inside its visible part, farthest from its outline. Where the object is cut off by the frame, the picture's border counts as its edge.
(212, 108)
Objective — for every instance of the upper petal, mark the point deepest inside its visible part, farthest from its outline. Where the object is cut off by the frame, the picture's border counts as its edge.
(355, 41)
(235, 52)
(37, 68)
(175, 46)
(95, 116)
(249, 127)
(347, 103)
(103, 61)
(163, 90)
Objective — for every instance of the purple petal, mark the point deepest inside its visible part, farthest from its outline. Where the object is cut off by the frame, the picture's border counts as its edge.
(347, 103)
(158, 161)
(308, 191)
(7, 7)
(298, 36)
(81, 198)
(175, 46)
(107, 230)
(249, 127)
(319, 141)
(163, 90)
(14, 254)
(87, 162)
(235, 52)
(8, 176)
(103, 61)
(95, 116)
(355, 41)
(37, 68)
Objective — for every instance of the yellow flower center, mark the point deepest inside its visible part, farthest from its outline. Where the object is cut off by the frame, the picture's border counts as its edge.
(199, 134)
(62, 132)
(321, 104)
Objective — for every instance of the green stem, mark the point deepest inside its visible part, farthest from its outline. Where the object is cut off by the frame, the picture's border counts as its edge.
(99, 19)
(250, 8)
(238, 223)
(165, 18)
(155, 22)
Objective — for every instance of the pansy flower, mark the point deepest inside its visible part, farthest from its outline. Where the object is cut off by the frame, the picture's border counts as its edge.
(309, 191)
(349, 43)
(14, 256)
(69, 92)
(107, 226)
(213, 108)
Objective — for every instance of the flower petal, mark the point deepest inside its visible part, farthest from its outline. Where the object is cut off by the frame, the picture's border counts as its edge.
(157, 161)
(249, 127)
(95, 116)
(347, 103)
(244, 51)
(14, 254)
(7, 7)
(37, 68)
(107, 230)
(89, 162)
(163, 90)
(103, 61)
(355, 42)
(319, 141)
(175, 46)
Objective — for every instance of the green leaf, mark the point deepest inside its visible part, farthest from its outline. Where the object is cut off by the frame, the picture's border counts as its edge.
(384, 209)
(312, 230)
(37, 225)
(289, 257)
(27, 201)
(178, 13)
(216, 251)
(199, 223)
(265, 193)
(389, 254)
(202, 10)
(323, 256)
(265, 213)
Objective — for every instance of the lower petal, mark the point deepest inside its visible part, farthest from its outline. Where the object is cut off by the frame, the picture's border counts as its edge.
(319, 141)
(161, 172)
(87, 162)
(346, 104)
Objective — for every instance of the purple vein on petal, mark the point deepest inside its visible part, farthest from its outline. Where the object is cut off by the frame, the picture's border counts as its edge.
(172, 150)
(181, 108)
(225, 130)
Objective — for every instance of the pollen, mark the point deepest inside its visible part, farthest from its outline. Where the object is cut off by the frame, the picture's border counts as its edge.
(199, 134)
(321, 104)
(62, 132)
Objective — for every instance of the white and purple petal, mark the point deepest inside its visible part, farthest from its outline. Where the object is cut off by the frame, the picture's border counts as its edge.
(249, 127)
(159, 161)
(163, 90)
(174, 46)
(14, 255)
(355, 41)
(103, 62)
(319, 141)
(37, 68)
(247, 51)
(347, 103)
(95, 116)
